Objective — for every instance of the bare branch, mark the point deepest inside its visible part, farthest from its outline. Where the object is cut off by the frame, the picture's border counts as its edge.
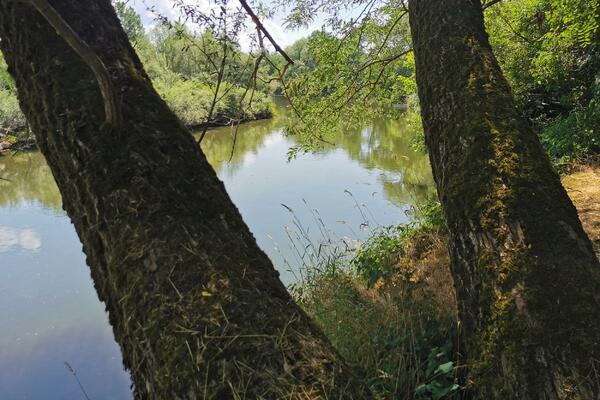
(220, 74)
(490, 3)
(265, 31)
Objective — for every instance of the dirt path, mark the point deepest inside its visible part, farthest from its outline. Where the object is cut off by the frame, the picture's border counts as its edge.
(583, 187)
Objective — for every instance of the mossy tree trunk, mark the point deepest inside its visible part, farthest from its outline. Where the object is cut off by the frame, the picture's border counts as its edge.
(196, 306)
(527, 279)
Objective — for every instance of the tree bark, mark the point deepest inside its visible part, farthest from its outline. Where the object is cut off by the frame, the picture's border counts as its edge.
(196, 306)
(527, 279)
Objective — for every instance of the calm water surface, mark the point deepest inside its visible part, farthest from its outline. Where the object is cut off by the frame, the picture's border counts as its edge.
(49, 310)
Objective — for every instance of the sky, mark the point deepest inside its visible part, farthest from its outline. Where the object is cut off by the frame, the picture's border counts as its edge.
(275, 26)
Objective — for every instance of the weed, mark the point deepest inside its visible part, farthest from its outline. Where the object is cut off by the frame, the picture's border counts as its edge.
(377, 304)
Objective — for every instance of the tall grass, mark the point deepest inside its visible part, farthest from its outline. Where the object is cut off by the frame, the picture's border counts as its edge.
(395, 330)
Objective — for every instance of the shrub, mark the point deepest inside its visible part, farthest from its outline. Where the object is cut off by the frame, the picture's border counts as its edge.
(389, 308)
(187, 99)
(575, 135)
(11, 117)
(378, 257)
(401, 342)
(191, 102)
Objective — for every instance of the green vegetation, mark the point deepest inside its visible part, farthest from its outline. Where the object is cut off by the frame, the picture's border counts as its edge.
(192, 71)
(182, 68)
(11, 118)
(347, 77)
(364, 68)
(550, 53)
(389, 308)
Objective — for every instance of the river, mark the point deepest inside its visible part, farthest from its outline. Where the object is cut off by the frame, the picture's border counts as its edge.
(49, 311)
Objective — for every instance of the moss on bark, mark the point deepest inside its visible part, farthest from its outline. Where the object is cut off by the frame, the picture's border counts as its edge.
(526, 275)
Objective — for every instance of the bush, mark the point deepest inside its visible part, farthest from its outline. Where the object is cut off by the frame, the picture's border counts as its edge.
(11, 117)
(191, 102)
(550, 54)
(400, 341)
(378, 258)
(575, 135)
(390, 310)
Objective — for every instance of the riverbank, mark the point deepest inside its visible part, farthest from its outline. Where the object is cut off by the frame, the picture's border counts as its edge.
(15, 143)
(11, 141)
(223, 122)
(391, 310)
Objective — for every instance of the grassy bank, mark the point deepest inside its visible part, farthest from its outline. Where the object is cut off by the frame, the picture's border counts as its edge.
(191, 102)
(389, 305)
(389, 308)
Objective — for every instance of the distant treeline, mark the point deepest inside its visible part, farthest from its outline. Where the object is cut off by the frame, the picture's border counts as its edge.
(182, 68)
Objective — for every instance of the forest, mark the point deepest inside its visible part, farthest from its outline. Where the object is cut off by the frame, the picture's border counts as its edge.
(401, 202)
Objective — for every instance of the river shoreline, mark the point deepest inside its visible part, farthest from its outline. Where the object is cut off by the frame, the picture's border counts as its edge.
(29, 143)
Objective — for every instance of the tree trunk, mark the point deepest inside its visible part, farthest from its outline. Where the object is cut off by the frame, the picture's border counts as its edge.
(527, 279)
(196, 306)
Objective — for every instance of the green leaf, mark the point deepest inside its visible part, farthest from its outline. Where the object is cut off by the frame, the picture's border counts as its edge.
(445, 368)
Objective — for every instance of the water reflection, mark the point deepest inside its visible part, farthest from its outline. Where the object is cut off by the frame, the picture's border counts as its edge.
(26, 178)
(27, 239)
(229, 149)
(49, 310)
(385, 146)
(50, 313)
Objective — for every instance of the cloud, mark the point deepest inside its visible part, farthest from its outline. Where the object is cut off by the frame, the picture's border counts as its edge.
(27, 239)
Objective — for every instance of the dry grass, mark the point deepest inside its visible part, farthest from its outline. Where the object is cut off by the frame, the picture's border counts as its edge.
(385, 332)
(388, 331)
(583, 186)
(426, 261)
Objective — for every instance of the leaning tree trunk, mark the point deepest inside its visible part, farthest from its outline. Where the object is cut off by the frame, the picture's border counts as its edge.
(527, 279)
(195, 305)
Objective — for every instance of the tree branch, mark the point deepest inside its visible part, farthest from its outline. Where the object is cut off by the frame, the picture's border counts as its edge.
(490, 3)
(87, 54)
(264, 30)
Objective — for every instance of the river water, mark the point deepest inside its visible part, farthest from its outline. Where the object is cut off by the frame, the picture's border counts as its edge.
(49, 311)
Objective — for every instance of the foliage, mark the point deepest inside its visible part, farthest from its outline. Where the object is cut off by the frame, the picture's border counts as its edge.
(548, 49)
(550, 53)
(576, 134)
(205, 78)
(130, 21)
(11, 118)
(182, 68)
(377, 258)
(190, 100)
(396, 333)
(350, 73)
(439, 374)
(429, 214)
